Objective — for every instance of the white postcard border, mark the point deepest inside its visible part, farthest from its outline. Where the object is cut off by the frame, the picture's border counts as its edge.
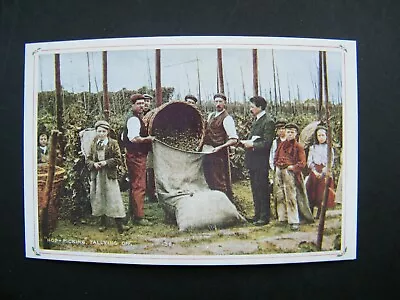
(350, 130)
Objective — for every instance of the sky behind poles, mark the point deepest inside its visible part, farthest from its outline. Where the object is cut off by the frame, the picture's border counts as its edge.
(179, 69)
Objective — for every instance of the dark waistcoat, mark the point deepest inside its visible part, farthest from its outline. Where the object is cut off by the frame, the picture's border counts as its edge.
(215, 132)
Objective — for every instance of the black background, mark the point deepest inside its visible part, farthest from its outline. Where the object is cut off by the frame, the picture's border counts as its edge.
(374, 25)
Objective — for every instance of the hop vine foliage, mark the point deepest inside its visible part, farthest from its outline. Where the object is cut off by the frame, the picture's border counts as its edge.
(83, 109)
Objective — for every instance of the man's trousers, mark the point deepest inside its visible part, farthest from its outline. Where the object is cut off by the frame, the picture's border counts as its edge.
(136, 163)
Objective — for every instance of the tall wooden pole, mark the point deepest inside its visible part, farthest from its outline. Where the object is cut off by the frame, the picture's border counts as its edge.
(59, 101)
(217, 80)
(105, 88)
(279, 88)
(198, 80)
(243, 87)
(320, 81)
(274, 73)
(88, 67)
(158, 78)
(255, 73)
(328, 177)
(244, 93)
(44, 211)
(148, 67)
(220, 71)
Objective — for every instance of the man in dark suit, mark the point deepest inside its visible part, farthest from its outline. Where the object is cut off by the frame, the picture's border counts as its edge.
(258, 147)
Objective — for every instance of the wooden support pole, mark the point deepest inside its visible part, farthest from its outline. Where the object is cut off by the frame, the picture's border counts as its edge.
(88, 66)
(158, 78)
(198, 81)
(320, 81)
(43, 213)
(274, 74)
(220, 71)
(328, 176)
(255, 72)
(217, 80)
(59, 100)
(105, 88)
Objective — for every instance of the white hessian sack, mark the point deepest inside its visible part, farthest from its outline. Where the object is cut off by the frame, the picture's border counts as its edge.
(205, 209)
(87, 136)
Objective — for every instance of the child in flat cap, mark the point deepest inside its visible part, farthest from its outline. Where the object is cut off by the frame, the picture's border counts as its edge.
(289, 189)
(280, 137)
(317, 163)
(105, 195)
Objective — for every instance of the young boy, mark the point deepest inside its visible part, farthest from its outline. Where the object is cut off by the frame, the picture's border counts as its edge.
(280, 133)
(280, 137)
(43, 150)
(289, 161)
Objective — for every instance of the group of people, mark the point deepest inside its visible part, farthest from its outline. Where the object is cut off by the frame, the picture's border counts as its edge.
(269, 145)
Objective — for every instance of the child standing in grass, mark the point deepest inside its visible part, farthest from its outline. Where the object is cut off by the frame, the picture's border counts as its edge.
(290, 159)
(317, 163)
(105, 195)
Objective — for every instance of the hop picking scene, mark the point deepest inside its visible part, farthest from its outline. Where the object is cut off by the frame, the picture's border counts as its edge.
(190, 151)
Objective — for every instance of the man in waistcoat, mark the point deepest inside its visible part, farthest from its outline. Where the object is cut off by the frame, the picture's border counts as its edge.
(257, 148)
(220, 134)
(137, 144)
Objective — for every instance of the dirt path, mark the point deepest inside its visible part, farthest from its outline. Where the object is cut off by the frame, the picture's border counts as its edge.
(246, 240)
(166, 240)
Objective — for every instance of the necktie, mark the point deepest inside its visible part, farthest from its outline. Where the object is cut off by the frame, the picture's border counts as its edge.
(100, 145)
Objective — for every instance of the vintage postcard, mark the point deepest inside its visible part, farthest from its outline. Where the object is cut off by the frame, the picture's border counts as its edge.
(191, 150)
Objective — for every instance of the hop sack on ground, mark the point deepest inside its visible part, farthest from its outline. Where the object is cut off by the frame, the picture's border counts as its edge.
(184, 193)
(180, 183)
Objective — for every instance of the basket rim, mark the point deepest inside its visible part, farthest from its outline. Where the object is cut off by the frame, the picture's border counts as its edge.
(58, 172)
(177, 102)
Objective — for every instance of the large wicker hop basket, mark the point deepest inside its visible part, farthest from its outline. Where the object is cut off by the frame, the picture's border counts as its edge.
(48, 218)
(178, 124)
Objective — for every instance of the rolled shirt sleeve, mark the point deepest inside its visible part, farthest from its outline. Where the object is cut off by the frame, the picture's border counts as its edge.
(133, 125)
(230, 129)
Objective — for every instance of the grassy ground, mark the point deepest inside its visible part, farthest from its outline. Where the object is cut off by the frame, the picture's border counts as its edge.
(162, 238)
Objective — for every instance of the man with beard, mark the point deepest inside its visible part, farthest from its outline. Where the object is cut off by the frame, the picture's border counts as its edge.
(137, 143)
(257, 148)
(220, 134)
